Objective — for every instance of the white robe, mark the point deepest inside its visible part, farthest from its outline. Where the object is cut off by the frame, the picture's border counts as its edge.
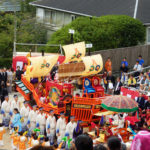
(6, 108)
(69, 129)
(61, 126)
(52, 122)
(32, 117)
(41, 120)
(15, 104)
(24, 112)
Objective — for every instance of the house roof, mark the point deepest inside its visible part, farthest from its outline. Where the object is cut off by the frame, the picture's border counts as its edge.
(100, 7)
(143, 12)
(9, 6)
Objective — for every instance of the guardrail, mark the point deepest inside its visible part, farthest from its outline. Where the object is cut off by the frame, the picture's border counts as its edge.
(148, 67)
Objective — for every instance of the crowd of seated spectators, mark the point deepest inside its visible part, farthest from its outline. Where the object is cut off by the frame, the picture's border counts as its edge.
(138, 78)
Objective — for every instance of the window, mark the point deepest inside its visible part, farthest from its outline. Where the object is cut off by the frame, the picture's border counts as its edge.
(148, 35)
(73, 17)
(67, 18)
(50, 17)
(40, 14)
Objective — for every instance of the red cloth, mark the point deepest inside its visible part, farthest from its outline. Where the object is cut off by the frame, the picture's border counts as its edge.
(132, 119)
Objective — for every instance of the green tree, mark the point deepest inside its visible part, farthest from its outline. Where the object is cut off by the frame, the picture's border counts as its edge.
(106, 32)
(28, 31)
(26, 7)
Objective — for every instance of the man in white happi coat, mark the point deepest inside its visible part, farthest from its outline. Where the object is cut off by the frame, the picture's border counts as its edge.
(41, 121)
(60, 127)
(24, 112)
(51, 127)
(32, 119)
(5, 109)
(70, 127)
(15, 103)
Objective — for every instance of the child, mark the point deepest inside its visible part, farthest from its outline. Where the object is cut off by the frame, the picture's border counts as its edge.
(15, 139)
(22, 141)
(30, 140)
(2, 131)
(46, 142)
(35, 141)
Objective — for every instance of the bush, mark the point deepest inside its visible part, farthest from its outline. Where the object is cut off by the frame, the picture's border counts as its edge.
(106, 32)
(5, 62)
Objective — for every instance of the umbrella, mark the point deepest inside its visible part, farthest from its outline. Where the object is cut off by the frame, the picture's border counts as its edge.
(119, 103)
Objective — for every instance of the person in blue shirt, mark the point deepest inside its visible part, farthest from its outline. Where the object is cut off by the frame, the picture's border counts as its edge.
(16, 120)
(141, 61)
(124, 62)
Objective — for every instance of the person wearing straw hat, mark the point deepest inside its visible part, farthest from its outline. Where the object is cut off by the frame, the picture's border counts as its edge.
(60, 127)
(51, 127)
(24, 112)
(70, 127)
(5, 109)
(41, 121)
(32, 119)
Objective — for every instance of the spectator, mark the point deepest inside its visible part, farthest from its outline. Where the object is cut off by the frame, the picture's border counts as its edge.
(140, 78)
(131, 81)
(144, 83)
(147, 104)
(83, 142)
(141, 101)
(110, 79)
(4, 77)
(108, 65)
(124, 79)
(18, 73)
(100, 147)
(114, 143)
(124, 62)
(13, 79)
(137, 68)
(124, 68)
(3, 93)
(117, 87)
(148, 73)
(141, 141)
(140, 60)
(9, 80)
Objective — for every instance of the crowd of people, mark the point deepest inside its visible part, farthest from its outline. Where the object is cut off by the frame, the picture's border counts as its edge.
(136, 78)
(7, 81)
(33, 129)
(30, 128)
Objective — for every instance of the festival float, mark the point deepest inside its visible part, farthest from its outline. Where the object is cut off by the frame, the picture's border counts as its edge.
(72, 86)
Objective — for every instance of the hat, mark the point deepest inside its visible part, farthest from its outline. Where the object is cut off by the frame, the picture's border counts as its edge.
(41, 108)
(34, 106)
(62, 113)
(25, 102)
(6, 96)
(72, 117)
(15, 95)
(51, 111)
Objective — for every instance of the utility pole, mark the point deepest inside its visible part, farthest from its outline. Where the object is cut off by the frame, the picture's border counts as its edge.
(15, 28)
